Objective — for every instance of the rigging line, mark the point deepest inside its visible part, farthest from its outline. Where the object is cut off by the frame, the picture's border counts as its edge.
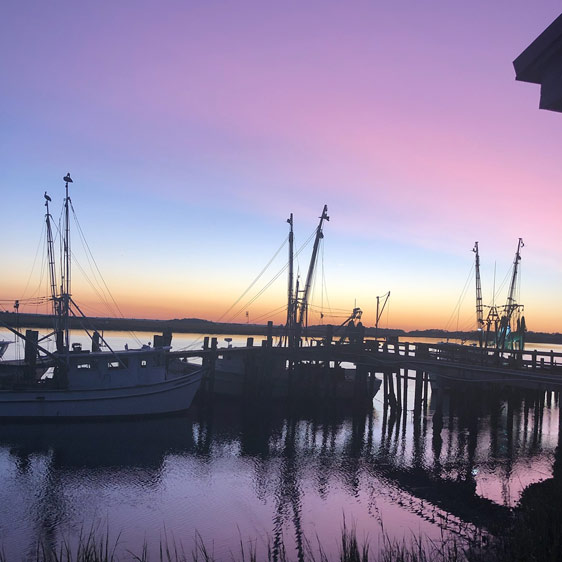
(255, 280)
(90, 258)
(84, 317)
(325, 285)
(258, 295)
(277, 275)
(328, 315)
(387, 313)
(29, 300)
(312, 235)
(95, 288)
(89, 255)
(303, 246)
(270, 313)
(40, 244)
(460, 300)
(518, 291)
(332, 310)
(503, 283)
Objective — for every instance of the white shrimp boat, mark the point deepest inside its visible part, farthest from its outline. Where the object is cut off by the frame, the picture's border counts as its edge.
(75, 383)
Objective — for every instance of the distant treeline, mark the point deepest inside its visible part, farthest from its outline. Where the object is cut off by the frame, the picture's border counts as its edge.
(199, 326)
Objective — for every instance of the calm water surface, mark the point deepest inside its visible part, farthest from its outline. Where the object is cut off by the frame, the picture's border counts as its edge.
(260, 475)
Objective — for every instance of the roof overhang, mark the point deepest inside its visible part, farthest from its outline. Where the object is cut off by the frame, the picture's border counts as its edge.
(541, 63)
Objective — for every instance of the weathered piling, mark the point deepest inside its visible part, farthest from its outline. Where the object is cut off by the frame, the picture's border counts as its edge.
(249, 368)
(212, 365)
(418, 394)
(398, 391)
(390, 385)
(438, 414)
(30, 353)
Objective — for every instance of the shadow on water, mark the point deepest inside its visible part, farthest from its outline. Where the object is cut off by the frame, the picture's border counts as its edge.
(448, 459)
(109, 452)
(95, 445)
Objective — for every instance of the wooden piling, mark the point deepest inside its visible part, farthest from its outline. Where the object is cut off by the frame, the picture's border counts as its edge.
(391, 395)
(425, 391)
(30, 353)
(385, 388)
(438, 414)
(212, 366)
(418, 394)
(398, 391)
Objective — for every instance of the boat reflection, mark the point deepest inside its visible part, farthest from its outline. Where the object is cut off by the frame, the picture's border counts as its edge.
(453, 462)
(103, 444)
(62, 469)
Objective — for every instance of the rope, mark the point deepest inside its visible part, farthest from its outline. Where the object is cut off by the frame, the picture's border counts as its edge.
(91, 259)
(460, 300)
(277, 275)
(255, 280)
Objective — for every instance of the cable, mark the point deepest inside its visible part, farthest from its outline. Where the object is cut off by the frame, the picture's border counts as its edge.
(277, 275)
(460, 300)
(89, 256)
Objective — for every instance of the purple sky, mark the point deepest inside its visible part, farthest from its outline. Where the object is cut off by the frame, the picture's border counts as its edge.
(193, 129)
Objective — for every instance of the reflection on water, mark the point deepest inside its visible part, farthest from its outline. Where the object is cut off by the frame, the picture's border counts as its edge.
(235, 472)
(277, 477)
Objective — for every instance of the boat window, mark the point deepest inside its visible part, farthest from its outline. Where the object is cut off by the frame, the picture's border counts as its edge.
(83, 366)
(120, 364)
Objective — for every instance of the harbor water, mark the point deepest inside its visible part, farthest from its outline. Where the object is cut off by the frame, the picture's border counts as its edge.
(236, 476)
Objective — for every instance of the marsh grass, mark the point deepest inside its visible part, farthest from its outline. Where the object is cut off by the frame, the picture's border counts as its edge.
(96, 546)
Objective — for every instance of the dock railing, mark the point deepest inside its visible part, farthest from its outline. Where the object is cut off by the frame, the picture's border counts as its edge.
(534, 360)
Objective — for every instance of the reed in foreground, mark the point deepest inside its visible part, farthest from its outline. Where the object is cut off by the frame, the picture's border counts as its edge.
(98, 547)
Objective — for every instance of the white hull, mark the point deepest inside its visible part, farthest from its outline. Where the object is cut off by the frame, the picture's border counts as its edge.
(165, 397)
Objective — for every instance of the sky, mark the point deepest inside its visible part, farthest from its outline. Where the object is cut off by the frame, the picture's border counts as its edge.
(193, 129)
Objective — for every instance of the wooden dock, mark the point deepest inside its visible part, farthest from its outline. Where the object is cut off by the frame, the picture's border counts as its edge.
(445, 362)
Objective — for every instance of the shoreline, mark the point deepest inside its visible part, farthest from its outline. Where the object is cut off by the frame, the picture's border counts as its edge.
(200, 326)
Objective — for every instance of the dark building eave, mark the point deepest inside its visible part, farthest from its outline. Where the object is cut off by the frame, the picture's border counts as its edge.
(541, 63)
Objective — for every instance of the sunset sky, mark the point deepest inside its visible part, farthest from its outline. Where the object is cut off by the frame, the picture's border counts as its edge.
(193, 129)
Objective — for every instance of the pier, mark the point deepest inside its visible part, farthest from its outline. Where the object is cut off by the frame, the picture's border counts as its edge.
(442, 365)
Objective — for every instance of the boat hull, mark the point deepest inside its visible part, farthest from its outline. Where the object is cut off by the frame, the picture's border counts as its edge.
(320, 384)
(166, 397)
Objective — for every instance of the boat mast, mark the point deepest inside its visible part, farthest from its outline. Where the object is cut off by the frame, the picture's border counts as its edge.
(513, 285)
(479, 306)
(65, 278)
(379, 312)
(319, 236)
(290, 303)
(511, 305)
(52, 271)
